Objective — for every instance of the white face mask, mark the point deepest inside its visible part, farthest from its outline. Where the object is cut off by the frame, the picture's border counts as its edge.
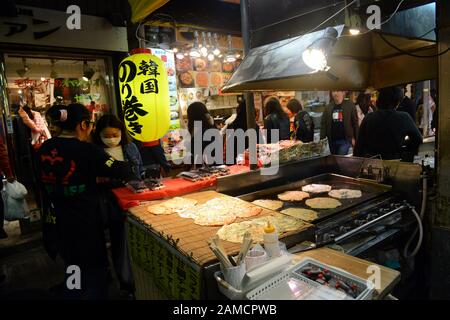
(111, 142)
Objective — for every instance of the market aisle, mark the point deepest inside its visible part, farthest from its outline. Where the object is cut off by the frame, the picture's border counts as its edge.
(31, 274)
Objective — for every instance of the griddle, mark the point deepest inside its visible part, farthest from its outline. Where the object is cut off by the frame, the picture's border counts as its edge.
(370, 191)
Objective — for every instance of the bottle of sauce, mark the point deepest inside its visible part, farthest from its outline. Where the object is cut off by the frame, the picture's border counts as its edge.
(271, 244)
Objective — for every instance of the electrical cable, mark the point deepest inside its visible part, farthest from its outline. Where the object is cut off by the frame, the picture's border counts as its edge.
(379, 27)
(328, 19)
(409, 53)
(315, 28)
(419, 224)
(294, 17)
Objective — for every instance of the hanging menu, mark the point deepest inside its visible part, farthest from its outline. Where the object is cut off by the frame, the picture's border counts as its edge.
(169, 60)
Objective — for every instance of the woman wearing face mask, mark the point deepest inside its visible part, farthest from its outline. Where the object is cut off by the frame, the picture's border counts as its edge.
(68, 168)
(111, 135)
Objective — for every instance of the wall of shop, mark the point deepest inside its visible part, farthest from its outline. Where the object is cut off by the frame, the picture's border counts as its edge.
(44, 27)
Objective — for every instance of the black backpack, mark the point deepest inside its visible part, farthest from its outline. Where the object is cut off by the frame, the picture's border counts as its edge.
(304, 126)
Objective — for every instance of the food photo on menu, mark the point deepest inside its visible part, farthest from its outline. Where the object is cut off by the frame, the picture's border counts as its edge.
(186, 79)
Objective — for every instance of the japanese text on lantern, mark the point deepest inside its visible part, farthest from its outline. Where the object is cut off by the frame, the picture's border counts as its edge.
(144, 91)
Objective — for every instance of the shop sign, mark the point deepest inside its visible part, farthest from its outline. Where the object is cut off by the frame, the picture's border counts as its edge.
(36, 26)
(144, 92)
(170, 272)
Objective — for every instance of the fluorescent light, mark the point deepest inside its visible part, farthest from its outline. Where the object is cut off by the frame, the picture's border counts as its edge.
(354, 32)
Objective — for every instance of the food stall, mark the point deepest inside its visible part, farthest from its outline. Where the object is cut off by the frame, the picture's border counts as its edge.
(170, 254)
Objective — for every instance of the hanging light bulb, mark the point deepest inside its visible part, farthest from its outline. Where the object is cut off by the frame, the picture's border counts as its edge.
(230, 56)
(316, 55)
(180, 55)
(211, 56)
(195, 53)
(204, 48)
(216, 50)
(42, 79)
(175, 50)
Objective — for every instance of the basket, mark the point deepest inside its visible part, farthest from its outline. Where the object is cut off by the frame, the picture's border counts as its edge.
(293, 285)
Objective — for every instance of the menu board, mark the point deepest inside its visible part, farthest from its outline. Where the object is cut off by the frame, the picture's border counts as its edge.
(169, 61)
(201, 73)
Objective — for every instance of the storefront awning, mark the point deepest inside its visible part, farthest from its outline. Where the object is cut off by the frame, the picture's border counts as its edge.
(356, 63)
(140, 9)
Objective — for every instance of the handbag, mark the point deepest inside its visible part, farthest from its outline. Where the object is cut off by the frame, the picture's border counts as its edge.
(14, 202)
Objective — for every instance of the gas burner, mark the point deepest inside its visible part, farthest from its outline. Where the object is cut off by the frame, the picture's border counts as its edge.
(372, 217)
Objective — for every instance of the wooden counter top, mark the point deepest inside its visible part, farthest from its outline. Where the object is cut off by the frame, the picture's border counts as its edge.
(358, 267)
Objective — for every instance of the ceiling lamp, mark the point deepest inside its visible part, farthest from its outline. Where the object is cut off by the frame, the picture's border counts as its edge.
(180, 55)
(216, 50)
(195, 52)
(354, 31)
(230, 56)
(316, 55)
(204, 48)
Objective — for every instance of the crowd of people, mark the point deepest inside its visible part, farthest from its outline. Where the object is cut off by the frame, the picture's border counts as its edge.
(83, 160)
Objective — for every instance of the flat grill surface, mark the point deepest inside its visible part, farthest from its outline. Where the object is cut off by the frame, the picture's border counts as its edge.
(370, 190)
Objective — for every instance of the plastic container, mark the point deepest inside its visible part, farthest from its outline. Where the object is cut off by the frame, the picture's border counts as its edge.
(255, 258)
(271, 243)
(293, 285)
(234, 275)
(253, 278)
(226, 289)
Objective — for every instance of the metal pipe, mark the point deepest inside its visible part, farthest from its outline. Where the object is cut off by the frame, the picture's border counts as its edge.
(248, 96)
(426, 108)
(370, 223)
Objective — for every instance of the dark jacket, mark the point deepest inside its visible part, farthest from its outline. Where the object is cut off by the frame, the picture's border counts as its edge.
(383, 133)
(304, 127)
(408, 106)
(274, 121)
(350, 121)
(133, 157)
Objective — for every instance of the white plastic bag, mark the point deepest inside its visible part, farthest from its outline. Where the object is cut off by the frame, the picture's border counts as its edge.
(14, 202)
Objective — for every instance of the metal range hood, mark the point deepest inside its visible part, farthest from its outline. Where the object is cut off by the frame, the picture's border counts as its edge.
(356, 63)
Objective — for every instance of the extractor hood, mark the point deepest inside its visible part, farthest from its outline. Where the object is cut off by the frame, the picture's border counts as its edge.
(356, 63)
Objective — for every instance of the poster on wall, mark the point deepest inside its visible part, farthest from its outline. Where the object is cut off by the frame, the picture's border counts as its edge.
(169, 60)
